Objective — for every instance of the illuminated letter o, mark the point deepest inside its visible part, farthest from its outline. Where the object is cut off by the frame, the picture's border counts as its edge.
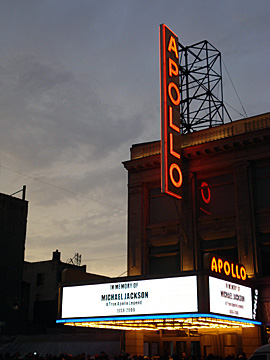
(227, 268)
(206, 200)
(179, 182)
(243, 273)
(177, 101)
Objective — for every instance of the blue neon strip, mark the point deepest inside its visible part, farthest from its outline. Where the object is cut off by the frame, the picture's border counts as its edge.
(149, 317)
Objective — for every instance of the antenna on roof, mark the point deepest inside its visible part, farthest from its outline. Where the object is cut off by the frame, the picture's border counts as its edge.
(23, 190)
(76, 260)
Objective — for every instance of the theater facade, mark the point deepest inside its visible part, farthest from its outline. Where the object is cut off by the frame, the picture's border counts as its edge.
(198, 264)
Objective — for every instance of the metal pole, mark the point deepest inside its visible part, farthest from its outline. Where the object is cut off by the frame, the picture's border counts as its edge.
(23, 192)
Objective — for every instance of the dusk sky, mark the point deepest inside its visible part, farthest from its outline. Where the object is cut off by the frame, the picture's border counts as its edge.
(79, 84)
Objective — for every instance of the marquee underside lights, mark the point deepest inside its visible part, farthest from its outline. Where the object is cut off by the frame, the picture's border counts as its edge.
(171, 173)
(179, 322)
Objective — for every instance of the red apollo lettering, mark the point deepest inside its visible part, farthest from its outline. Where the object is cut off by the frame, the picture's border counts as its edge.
(173, 68)
(171, 174)
(172, 152)
(176, 101)
(171, 124)
(176, 183)
(172, 46)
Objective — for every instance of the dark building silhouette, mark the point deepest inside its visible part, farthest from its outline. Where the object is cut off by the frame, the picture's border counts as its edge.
(13, 222)
(43, 279)
(28, 290)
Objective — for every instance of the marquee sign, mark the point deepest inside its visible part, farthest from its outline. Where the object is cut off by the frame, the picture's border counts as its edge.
(230, 299)
(171, 173)
(153, 303)
(141, 297)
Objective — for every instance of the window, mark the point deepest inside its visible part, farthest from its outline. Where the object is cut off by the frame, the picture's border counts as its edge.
(216, 195)
(165, 259)
(181, 347)
(261, 187)
(162, 207)
(154, 348)
(195, 349)
(40, 279)
(146, 348)
(264, 254)
(224, 248)
(168, 347)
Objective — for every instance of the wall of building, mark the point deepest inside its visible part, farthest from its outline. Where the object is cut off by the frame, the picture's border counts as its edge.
(219, 342)
(224, 211)
(44, 278)
(13, 223)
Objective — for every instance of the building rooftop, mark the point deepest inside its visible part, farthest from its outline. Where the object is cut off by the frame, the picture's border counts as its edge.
(235, 128)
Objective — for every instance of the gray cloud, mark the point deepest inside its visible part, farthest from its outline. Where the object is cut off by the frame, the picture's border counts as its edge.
(47, 110)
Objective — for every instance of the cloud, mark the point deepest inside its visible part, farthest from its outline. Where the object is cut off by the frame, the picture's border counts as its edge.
(49, 111)
(79, 84)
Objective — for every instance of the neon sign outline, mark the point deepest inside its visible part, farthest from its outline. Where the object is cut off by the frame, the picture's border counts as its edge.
(207, 199)
(171, 173)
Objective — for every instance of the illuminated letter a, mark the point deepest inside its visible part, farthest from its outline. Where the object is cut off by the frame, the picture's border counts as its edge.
(214, 265)
(172, 46)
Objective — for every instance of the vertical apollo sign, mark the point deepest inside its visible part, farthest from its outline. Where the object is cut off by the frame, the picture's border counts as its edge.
(171, 173)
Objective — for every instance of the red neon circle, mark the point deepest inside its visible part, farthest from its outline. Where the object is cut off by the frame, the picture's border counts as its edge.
(179, 182)
(177, 101)
(206, 200)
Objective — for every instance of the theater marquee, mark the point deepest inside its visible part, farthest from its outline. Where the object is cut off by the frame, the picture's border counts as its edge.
(229, 298)
(143, 297)
(185, 302)
(171, 173)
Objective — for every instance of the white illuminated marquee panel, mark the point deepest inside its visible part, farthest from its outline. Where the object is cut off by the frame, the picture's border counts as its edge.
(158, 296)
(228, 298)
